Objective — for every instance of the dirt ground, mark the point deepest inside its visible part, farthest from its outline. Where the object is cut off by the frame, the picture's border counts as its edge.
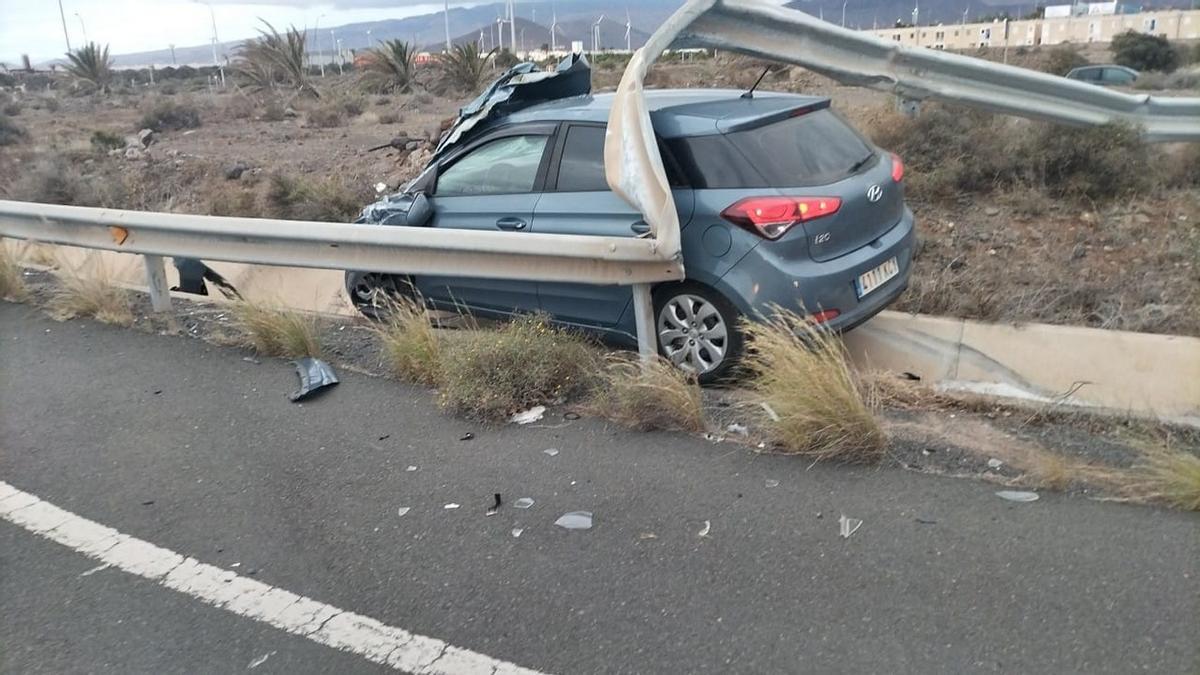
(1016, 256)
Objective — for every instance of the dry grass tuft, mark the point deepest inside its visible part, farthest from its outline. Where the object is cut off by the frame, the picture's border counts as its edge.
(1167, 474)
(650, 396)
(801, 372)
(410, 343)
(491, 374)
(12, 286)
(274, 331)
(94, 295)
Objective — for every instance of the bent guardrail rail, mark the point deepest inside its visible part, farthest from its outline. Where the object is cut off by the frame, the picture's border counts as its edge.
(768, 30)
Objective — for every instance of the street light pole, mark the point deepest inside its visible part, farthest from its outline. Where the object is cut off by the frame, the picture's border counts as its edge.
(82, 27)
(62, 15)
(317, 35)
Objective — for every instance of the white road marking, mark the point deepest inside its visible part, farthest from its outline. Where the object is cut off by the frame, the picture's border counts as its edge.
(98, 568)
(222, 588)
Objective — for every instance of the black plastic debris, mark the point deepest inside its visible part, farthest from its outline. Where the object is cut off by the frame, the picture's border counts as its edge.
(315, 375)
(192, 275)
(495, 507)
(466, 437)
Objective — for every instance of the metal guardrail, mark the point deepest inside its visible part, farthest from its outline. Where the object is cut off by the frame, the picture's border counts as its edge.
(399, 250)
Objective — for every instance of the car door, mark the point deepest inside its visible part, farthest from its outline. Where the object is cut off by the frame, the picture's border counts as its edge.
(493, 184)
(577, 200)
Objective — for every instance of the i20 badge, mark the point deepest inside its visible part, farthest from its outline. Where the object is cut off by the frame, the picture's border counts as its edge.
(874, 193)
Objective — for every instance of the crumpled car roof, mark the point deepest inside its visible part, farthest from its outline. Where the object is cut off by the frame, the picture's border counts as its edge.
(521, 86)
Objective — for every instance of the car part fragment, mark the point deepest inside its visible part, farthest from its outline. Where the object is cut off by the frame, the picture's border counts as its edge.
(315, 375)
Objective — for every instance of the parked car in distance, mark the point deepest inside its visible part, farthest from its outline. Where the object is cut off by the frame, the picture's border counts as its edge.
(780, 202)
(1104, 75)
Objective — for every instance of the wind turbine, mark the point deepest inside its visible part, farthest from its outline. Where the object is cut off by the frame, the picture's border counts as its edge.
(553, 29)
(446, 22)
(596, 34)
(512, 25)
(500, 32)
(627, 29)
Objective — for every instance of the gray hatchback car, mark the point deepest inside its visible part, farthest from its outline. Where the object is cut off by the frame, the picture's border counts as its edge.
(780, 202)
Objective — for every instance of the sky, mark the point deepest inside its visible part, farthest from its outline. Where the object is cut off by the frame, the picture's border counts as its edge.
(33, 26)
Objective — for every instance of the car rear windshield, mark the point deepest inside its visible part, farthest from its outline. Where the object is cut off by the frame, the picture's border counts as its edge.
(816, 148)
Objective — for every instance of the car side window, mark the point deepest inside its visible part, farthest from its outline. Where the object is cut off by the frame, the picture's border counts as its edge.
(506, 165)
(1116, 76)
(582, 166)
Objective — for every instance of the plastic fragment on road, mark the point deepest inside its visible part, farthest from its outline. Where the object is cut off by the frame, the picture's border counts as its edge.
(451, 506)
(551, 451)
(400, 512)
(771, 482)
(495, 507)
(705, 530)
(848, 526)
(466, 437)
(740, 429)
(315, 375)
(575, 520)
(411, 468)
(532, 415)
(523, 503)
(1017, 495)
(994, 463)
(516, 531)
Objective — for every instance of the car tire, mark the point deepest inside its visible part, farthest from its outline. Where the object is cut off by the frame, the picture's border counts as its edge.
(361, 288)
(692, 344)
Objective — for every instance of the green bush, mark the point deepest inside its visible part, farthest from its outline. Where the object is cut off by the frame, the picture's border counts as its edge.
(1144, 52)
(1063, 58)
(103, 141)
(491, 374)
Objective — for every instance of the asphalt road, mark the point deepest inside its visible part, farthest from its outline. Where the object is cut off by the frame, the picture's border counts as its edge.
(194, 449)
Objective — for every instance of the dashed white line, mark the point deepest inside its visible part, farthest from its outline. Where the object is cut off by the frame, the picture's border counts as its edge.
(296, 614)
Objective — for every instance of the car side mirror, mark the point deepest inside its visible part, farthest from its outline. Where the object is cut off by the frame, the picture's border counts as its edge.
(420, 212)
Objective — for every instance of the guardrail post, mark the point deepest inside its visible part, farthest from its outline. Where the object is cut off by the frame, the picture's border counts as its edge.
(643, 312)
(156, 280)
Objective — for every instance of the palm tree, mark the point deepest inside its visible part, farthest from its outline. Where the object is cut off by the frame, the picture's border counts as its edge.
(91, 64)
(272, 58)
(389, 67)
(464, 65)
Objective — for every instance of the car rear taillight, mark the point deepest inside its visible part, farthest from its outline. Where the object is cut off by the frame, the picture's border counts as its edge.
(824, 315)
(771, 217)
(897, 168)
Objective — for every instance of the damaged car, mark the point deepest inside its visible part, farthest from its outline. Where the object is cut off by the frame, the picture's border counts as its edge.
(781, 203)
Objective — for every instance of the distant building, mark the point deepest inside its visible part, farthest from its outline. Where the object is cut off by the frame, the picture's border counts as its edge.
(1085, 22)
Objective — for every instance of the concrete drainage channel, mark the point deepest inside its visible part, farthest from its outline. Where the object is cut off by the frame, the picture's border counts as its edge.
(1139, 374)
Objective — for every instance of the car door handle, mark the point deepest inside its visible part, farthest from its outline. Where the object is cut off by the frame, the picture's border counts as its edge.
(511, 224)
(640, 227)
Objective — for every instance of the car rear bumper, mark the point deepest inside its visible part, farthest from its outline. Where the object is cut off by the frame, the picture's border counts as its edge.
(762, 280)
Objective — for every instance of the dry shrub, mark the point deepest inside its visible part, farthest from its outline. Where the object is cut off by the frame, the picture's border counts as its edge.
(1184, 167)
(90, 295)
(952, 152)
(239, 107)
(275, 331)
(390, 117)
(326, 116)
(56, 181)
(410, 344)
(274, 112)
(171, 115)
(12, 286)
(329, 200)
(802, 374)
(649, 396)
(1165, 473)
(491, 374)
(102, 141)
(11, 133)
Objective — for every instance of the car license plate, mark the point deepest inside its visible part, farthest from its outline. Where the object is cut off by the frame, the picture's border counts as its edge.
(865, 283)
